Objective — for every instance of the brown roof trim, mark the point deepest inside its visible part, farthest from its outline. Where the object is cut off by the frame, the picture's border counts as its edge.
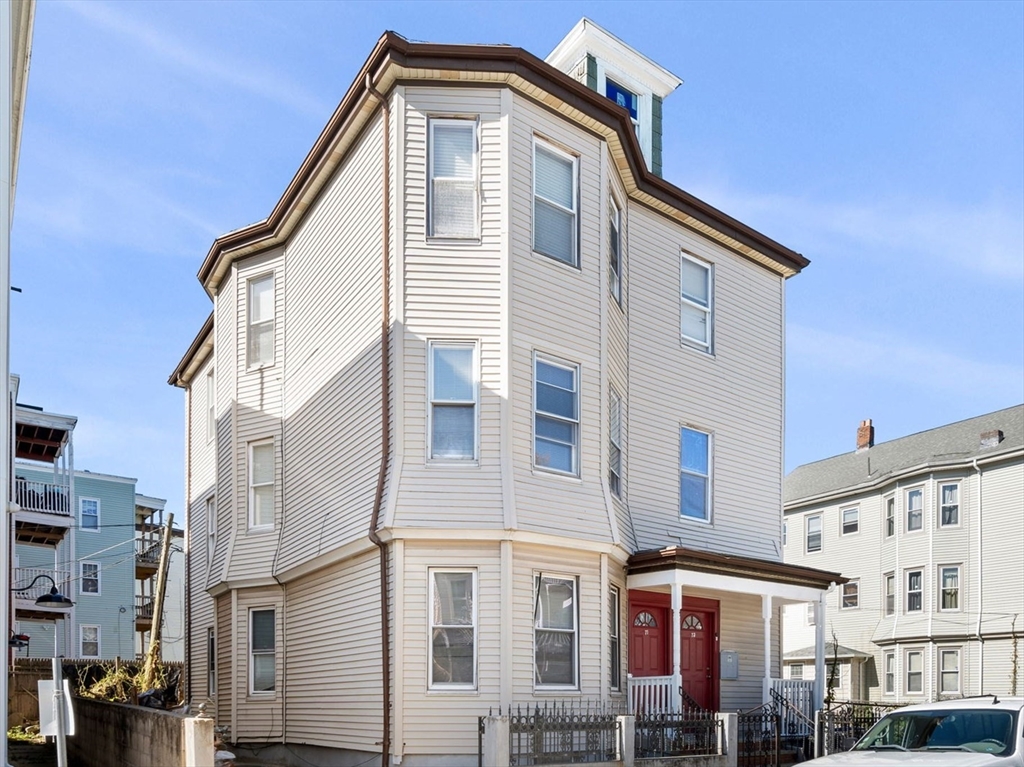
(678, 558)
(509, 60)
(180, 376)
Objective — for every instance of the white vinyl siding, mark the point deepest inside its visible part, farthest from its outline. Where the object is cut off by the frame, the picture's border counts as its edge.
(555, 201)
(261, 321)
(261, 484)
(556, 416)
(262, 651)
(454, 174)
(453, 629)
(89, 641)
(555, 636)
(615, 442)
(694, 474)
(89, 513)
(695, 321)
(453, 401)
(89, 575)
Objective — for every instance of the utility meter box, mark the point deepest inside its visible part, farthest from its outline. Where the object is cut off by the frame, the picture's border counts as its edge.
(729, 664)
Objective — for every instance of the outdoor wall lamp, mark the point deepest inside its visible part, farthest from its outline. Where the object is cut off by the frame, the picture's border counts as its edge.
(53, 599)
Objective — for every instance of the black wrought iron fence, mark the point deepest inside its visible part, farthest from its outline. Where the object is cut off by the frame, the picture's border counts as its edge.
(563, 733)
(844, 723)
(692, 732)
(758, 735)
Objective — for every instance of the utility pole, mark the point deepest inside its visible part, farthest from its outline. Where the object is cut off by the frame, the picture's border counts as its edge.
(149, 670)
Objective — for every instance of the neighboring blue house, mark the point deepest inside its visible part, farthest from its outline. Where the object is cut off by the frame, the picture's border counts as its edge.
(94, 539)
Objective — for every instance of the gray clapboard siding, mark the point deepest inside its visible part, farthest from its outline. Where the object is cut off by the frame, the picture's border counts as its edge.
(334, 656)
(226, 361)
(736, 394)
(259, 717)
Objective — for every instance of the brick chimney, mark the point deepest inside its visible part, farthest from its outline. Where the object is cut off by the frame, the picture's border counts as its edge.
(865, 435)
(991, 438)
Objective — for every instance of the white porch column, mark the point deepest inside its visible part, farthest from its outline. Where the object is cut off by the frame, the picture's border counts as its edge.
(766, 618)
(819, 652)
(677, 645)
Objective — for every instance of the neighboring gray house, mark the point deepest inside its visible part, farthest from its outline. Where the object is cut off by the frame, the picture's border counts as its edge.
(486, 412)
(929, 529)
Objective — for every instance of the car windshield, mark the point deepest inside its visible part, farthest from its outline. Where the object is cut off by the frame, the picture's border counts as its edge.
(985, 731)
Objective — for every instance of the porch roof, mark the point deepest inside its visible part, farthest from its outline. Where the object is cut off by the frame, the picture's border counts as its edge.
(832, 650)
(728, 572)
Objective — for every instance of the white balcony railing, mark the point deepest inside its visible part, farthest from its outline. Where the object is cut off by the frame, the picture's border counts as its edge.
(45, 497)
(23, 576)
(652, 694)
(797, 716)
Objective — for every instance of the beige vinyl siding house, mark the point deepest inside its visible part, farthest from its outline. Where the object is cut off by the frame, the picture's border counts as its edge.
(934, 559)
(527, 511)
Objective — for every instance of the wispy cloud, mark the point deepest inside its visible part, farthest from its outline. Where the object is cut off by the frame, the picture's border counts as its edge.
(887, 356)
(988, 238)
(239, 75)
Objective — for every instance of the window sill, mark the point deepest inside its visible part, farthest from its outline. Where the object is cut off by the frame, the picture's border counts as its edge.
(694, 346)
(468, 242)
(556, 690)
(471, 691)
(258, 367)
(557, 475)
(559, 262)
(261, 530)
(441, 464)
(696, 520)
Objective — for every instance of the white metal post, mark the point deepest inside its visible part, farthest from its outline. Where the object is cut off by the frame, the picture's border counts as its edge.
(766, 619)
(819, 652)
(58, 714)
(677, 646)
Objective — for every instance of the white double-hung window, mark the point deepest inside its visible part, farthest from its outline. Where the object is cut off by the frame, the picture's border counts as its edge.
(89, 641)
(556, 416)
(555, 639)
(615, 443)
(614, 249)
(89, 510)
(454, 189)
(261, 321)
(453, 400)
(262, 651)
(453, 629)
(555, 204)
(694, 474)
(89, 575)
(695, 322)
(261, 484)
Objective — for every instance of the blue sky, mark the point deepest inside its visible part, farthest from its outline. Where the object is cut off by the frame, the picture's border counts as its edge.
(884, 141)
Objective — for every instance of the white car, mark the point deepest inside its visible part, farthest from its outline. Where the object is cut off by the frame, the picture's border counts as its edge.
(969, 732)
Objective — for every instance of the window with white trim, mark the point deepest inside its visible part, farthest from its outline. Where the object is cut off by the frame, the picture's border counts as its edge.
(555, 640)
(796, 670)
(614, 639)
(453, 400)
(453, 629)
(261, 320)
(211, 663)
(694, 474)
(695, 322)
(211, 529)
(211, 420)
(915, 591)
(262, 651)
(261, 484)
(889, 674)
(89, 641)
(615, 442)
(851, 520)
(811, 615)
(89, 578)
(949, 588)
(850, 595)
(89, 514)
(454, 173)
(914, 684)
(890, 516)
(614, 248)
(813, 533)
(785, 531)
(949, 671)
(555, 203)
(949, 504)
(915, 509)
(889, 579)
(556, 416)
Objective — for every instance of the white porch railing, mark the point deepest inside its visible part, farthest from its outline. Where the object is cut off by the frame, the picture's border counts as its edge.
(652, 694)
(23, 576)
(47, 497)
(797, 717)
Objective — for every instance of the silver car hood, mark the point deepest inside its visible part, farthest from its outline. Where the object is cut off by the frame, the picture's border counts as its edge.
(887, 758)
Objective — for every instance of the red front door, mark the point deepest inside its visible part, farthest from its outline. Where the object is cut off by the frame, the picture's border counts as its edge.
(697, 659)
(649, 638)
